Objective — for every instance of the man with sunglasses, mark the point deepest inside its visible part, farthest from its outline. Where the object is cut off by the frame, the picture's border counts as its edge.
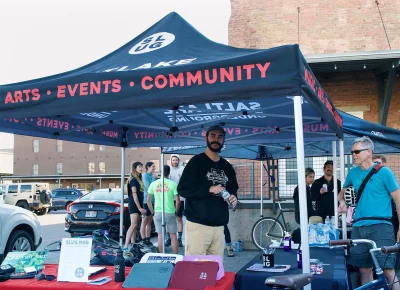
(322, 192)
(372, 218)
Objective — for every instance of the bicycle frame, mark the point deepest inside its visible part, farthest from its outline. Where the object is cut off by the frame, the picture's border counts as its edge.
(380, 282)
(282, 214)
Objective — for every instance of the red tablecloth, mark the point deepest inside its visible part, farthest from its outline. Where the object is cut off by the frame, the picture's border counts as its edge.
(226, 283)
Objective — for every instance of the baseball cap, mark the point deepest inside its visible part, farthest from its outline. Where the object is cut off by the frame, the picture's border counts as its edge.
(328, 162)
(216, 128)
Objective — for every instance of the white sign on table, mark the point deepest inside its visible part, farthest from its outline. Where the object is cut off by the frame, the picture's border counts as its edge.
(74, 260)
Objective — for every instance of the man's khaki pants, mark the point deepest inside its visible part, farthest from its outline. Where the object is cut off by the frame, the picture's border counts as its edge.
(204, 240)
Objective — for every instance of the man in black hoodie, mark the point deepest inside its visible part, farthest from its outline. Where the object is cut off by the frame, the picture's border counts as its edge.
(322, 192)
(203, 180)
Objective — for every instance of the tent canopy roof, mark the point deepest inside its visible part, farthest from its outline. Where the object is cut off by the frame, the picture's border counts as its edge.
(167, 86)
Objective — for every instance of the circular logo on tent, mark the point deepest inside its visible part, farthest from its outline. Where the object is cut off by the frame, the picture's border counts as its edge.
(153, 42)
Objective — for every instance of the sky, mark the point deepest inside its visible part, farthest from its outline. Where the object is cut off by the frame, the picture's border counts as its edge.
(44, 37)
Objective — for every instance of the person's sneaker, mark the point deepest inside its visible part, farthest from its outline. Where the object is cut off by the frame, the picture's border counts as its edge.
(147, 243)
(168, 243)
(180, 244)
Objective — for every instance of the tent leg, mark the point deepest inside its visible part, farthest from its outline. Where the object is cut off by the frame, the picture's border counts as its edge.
(121, 210)
(297, 102)
(341, 152)
(335, 179)
(261, 189)
(163, 202)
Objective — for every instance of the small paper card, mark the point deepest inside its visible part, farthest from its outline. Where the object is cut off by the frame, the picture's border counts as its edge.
(74, 260)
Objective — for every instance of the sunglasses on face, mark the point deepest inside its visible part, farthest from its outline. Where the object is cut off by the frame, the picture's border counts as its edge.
(358, 151)
(45, 277)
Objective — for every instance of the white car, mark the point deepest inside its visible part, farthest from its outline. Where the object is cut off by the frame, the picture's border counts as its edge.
(19, 230)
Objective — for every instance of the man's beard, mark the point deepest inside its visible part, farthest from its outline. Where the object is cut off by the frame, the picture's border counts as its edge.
(217, 150)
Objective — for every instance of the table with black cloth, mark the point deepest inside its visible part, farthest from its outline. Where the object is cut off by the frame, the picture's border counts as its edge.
(334, 275)
(226, 282)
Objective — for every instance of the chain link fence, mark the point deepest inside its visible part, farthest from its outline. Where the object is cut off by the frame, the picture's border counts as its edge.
(280, 176)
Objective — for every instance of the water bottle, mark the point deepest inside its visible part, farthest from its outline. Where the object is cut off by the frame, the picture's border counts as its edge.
(119, 266)
(299, 258)
(287, 242)
(327, 220)
(225, 195)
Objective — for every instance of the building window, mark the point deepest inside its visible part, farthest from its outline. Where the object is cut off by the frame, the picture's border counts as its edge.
(91, 147)
(91, 168)
(59, 145)
(102, 147)
(133, 148)
(156, 163)
(35, 146)
(35, 169)
(102, 167)
(59, 168)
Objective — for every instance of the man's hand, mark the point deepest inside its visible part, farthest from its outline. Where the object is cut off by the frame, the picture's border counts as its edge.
(342, 206)
(322, 190)
(216, 189)
(233, 200)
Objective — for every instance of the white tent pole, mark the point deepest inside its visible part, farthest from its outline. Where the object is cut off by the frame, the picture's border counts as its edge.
(163, 209)
(335, 178)
(261, 188)
(341, 152)
(297, 101)
(121, 209)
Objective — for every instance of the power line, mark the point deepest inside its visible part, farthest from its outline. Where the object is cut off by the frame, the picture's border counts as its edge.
(384, 28)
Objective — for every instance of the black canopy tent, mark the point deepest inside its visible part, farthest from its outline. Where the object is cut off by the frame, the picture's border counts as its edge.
(166, 86)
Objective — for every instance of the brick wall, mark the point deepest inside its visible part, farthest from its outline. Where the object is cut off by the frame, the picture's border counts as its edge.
(325, 26)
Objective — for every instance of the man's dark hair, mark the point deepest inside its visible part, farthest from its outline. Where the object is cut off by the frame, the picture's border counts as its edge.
(381, 157)
(167, 170)
(328, 162)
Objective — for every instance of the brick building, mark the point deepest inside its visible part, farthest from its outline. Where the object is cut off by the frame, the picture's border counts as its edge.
(349, 31)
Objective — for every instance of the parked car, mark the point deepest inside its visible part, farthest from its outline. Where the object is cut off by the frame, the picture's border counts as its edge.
(99, 209)
(20, 230)
(2, 193)
(62, 197)
(33, 196)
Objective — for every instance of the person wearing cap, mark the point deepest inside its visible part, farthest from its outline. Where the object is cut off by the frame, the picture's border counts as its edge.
(322, 192)
(203, 180)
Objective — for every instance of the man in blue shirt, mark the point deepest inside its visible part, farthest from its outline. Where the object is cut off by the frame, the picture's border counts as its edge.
(375, 202)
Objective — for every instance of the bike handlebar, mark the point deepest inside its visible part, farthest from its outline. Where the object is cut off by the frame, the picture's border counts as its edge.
(391, 249)
(340, 242)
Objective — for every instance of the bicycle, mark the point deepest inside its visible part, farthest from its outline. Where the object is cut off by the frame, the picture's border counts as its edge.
(99, 237)
(294, 282)
(267, 229)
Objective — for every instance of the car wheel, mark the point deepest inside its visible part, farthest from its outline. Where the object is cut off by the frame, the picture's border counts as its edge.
(42, 211)
(23, 204)
(20, 241)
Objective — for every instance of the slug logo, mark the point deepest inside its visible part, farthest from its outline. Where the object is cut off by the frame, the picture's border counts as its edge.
(153, 42)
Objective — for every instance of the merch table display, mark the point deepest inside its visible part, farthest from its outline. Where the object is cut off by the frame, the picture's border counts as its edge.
(226, 282)
(334, 274)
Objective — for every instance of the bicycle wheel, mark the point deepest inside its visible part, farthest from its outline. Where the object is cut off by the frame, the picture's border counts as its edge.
(54, 246)
(265, 230)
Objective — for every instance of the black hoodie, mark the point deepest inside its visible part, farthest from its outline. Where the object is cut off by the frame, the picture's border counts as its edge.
(199, 175)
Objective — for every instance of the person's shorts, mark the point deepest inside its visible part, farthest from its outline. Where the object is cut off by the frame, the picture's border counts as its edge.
(382, 234)
(133, 208)
(181, 208)
(148, 212)
(170, 222)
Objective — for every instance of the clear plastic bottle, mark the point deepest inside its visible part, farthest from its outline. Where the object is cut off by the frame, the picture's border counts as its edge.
(327, 220)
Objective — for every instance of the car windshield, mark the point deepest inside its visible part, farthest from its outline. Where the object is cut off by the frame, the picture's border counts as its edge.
(104, 195)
